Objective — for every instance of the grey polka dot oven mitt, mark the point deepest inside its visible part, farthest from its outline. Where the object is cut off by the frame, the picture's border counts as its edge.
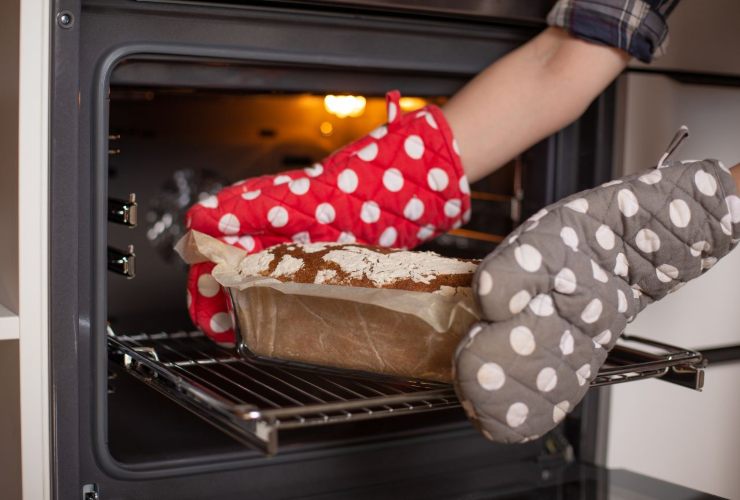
(561, 289)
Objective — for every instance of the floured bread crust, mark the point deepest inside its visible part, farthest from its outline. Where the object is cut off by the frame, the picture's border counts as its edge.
(351, 264)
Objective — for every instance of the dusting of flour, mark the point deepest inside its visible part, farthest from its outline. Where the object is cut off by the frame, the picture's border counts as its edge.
(287, 266)
(384, 268)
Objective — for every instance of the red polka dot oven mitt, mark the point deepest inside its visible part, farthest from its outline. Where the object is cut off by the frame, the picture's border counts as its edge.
(562, 288)
(399, 186)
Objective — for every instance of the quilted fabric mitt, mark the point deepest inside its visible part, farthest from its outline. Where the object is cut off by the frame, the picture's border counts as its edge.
(564, 285)
(399, 186)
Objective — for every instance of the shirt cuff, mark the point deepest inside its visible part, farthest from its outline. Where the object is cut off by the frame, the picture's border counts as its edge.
(636, 26)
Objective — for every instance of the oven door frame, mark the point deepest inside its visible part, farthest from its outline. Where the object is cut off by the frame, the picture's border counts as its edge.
(83, 57)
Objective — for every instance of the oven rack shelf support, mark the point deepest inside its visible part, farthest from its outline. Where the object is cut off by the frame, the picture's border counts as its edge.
(253, 400)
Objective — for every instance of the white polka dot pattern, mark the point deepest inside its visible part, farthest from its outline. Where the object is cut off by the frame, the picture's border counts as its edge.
(605, 237)
(598, 273)
(388, 237)
(621, 302)
(627, 202)
(281, 179)
(425, 232)
(679, 213)
(430, 120)
(437, 179)
(485, 283)
(379, 132)
(491, 376)
(209, 202)
(207, 285)
(277, 216)
(464, 186)
(392, 112)
(300, 186)
(542, 305)
(452, 207)
(370, 212)
(414, 147)
(612, 183)
(547, 379)
(583, 374)
(528, 257)
(708, 263)
(348, 181)
(519, 301)
(705, 183)
(393, 180)
(726, 224)
(414, 209)
(251, 195)
(653, 177)
(647, 241)
(570, 238)
(247, 242)
(733, 205)
(228, 224)
(522, 340)
(346, 237)
(315, 170)
(220, 322)
(565, 281)
(559, 411)
(302, 237)
(369, 152)
(325, 213)
(566, 343)
(603, 338)
(579, 205)
(592, 312)
(666, 273)
(621, 266)
(517, 414)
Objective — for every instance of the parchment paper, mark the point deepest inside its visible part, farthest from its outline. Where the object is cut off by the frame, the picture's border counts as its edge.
(411, 334)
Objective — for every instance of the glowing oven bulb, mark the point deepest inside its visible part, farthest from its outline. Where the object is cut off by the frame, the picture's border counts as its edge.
(343, 106)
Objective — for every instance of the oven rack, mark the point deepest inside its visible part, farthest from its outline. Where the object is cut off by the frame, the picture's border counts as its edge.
(252, 400)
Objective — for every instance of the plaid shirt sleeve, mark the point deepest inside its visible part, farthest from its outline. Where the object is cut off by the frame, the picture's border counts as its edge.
(636, 26)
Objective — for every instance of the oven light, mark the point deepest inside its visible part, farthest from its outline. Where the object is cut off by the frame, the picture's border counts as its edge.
(345, 105)
(412, 103)
(326, 129)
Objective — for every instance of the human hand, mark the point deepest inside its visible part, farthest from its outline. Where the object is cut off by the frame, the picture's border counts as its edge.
(557, 294)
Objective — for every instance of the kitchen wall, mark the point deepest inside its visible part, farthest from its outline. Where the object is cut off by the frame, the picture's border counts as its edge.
(690, 438)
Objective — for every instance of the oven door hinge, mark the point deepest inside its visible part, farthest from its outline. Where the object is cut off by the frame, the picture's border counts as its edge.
(90, 492)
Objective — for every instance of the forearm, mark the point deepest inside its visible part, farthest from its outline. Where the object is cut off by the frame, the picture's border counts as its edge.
(526, 96)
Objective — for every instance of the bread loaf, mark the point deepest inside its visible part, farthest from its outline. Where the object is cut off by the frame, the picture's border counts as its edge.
(339, 330)
(349, 264)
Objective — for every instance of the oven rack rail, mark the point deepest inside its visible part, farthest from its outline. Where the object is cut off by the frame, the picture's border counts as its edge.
(252, 400)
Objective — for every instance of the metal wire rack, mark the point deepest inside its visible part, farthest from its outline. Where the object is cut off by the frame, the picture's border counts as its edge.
(252, 400)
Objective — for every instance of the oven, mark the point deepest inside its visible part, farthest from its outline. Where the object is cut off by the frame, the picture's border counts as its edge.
(155, 105)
